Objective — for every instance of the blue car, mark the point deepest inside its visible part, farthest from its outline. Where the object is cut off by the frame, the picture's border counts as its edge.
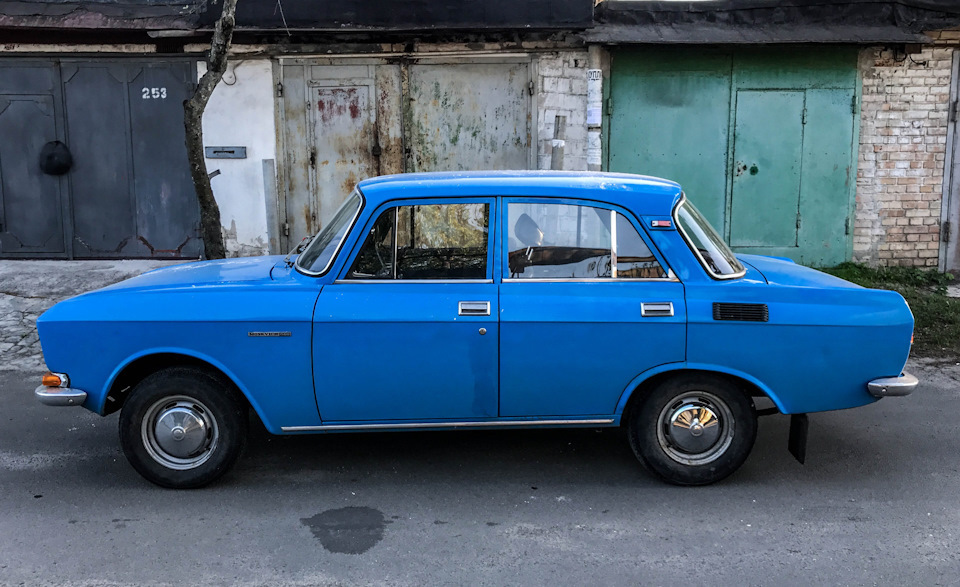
(480, 300)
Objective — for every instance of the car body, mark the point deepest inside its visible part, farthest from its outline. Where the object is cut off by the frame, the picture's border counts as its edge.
(471, 300)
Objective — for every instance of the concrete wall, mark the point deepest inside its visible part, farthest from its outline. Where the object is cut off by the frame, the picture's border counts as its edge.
(241, 113)
(903, 135)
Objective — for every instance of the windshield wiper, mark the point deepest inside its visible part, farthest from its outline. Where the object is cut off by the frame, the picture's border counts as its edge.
(297, 250)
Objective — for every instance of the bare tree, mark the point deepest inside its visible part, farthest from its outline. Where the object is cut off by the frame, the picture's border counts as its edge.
(193, 108)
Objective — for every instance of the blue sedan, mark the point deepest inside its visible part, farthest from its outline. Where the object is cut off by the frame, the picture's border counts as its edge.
(480, 300)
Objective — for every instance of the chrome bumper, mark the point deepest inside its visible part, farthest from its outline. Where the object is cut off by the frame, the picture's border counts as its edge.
(888, 386)
(60, 396)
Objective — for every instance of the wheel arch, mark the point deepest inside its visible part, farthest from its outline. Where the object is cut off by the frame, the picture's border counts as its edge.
(145, 363)
(653, 377)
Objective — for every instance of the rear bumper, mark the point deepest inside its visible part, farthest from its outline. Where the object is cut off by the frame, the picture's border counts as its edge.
(891, 386)
(60, 396)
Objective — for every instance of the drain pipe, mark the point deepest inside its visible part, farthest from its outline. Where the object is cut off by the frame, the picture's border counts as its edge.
(594, 107)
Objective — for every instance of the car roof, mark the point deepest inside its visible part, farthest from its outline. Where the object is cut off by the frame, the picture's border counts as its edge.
(642, 194)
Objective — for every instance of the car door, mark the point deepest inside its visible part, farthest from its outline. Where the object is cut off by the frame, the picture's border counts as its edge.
(586, 307)
(409, 331)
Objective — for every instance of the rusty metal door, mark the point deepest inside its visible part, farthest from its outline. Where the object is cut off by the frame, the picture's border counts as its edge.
(343, 149)
(345, 120)
(469, 116)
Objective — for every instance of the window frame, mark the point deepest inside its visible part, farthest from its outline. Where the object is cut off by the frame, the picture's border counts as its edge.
(351, 226)
(491, 201)
(504, 230)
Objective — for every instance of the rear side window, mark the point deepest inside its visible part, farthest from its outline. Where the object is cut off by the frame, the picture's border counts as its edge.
(432, 241)
(568, 241)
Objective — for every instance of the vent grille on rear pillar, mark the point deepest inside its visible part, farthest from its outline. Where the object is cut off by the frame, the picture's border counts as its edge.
(740, 312)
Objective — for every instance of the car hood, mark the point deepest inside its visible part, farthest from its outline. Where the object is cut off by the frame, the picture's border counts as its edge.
(779, 271)
(202, 273)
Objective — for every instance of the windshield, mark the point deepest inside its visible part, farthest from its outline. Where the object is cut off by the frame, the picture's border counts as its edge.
(319, 253)
(714, 254)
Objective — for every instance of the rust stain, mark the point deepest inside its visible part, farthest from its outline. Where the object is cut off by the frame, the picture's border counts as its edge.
(349, 183)
(335, 102)
(308, 219)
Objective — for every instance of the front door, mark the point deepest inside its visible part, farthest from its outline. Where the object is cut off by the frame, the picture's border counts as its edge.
(586, 307)
(409, 331)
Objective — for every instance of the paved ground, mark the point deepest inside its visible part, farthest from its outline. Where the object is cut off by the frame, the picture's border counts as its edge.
(876, 504)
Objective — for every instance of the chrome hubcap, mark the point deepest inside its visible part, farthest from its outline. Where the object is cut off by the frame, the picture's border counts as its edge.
(180, 432)
(695, 428)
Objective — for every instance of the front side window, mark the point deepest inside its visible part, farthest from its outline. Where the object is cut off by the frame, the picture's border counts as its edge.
(568, 241)
(318, 255)
(431, 241)
(714, 254)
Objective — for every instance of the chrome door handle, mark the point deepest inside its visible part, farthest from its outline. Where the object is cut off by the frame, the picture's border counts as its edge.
(656, 309)
(474, 308)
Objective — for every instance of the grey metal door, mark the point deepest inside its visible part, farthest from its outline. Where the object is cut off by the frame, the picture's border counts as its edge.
(130, 186)
(31, 219)
(128, 192)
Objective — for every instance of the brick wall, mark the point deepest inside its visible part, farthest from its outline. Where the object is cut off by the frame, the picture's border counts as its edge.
(562, 91)
(903, 135)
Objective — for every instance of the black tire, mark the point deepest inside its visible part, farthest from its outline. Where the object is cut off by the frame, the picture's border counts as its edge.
(205, 411)
(668, 437)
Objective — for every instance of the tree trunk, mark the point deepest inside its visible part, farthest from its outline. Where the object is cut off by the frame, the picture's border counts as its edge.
(210, 228)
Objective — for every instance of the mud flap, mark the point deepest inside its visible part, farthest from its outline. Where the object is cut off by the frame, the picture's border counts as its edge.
(797, 443)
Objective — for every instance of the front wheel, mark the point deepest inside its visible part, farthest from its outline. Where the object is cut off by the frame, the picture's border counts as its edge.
(183, 427)
(693, 429)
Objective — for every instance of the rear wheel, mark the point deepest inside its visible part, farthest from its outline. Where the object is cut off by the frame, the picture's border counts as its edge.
(693, 429)
(183, 427)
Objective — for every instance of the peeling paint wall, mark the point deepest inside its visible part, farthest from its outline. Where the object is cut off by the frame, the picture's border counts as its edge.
(562, 88)
(241, 114)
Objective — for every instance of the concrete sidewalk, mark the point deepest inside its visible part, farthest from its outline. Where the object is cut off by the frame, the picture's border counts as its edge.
(28, 288)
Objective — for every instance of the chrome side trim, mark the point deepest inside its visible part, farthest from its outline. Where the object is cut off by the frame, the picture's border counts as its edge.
(428, 425)
(893, 386)
(60, 396)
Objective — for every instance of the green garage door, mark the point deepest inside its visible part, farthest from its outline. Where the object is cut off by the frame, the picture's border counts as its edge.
(761, 140)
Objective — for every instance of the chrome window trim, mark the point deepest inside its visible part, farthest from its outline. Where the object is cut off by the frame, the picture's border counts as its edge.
(468, 424)
(336, 252)
(670, 278)
(693, 249)
(413, 281)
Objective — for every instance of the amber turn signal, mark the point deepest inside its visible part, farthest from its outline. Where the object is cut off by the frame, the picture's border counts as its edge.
(54, 380)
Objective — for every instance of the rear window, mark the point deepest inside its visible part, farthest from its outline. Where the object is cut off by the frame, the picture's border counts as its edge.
(714, 254)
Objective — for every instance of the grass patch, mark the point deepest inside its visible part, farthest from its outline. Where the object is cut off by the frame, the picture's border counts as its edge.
(937, 317)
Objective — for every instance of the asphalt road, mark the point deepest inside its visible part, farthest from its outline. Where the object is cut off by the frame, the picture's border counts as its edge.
(876, 503)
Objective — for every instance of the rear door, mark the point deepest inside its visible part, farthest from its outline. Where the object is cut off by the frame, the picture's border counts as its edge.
(586, 307)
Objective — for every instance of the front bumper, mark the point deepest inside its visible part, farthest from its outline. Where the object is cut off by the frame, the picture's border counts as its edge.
(891, 386)
(60, 396)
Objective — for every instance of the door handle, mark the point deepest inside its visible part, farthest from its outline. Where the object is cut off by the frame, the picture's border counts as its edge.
(656, 309)
(473, 308)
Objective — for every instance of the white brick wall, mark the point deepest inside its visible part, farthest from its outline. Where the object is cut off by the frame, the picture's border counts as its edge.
(562, 91)
(903, 135)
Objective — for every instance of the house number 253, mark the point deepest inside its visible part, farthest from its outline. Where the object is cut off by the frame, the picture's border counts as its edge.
(154, 93)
